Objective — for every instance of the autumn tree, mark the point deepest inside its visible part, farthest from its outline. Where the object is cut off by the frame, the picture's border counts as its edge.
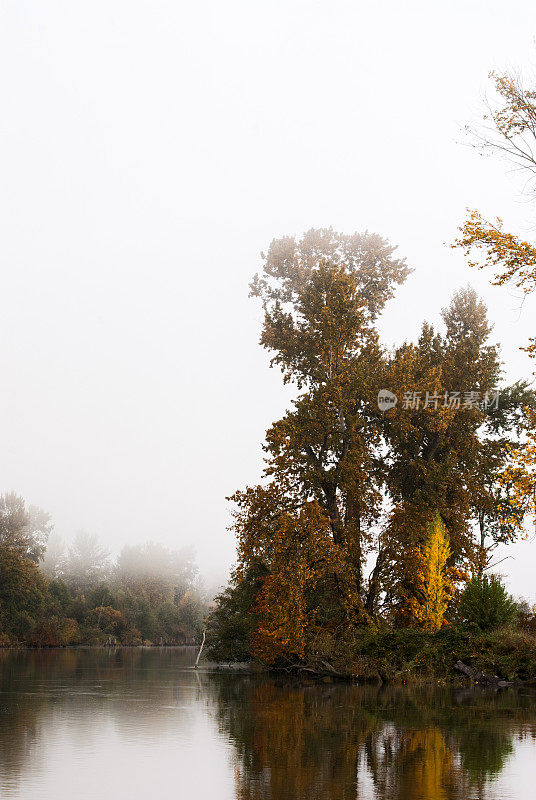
(429, 600)
(449, 442)
(519, 477)
(348, 487)
(508, 130)
(501, 498)
(23, 593)
(311, 525)
(107, 619)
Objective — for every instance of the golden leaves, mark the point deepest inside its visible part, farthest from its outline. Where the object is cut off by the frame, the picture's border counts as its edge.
(510, 257)
(433, 586)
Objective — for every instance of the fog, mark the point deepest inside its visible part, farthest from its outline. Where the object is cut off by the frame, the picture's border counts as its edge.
(149, 152)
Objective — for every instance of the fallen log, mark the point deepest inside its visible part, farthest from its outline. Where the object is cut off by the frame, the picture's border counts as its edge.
(481, 677)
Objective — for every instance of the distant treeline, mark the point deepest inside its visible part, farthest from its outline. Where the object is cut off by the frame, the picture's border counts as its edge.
(51, 595)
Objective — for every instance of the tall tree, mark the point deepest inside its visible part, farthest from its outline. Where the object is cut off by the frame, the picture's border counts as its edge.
(53, 560)
(337, 465)
(311, 526)
(450, 429)
(433, 590)
(23, 529)
(87, 562)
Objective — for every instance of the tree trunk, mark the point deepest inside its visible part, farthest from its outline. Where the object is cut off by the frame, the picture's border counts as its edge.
(200, 650)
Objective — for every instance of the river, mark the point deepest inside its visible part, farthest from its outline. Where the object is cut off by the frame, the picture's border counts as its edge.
(141, 723)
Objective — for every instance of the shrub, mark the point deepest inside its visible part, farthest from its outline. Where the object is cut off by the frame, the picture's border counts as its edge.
(526, 617)
(54, 632)
(486, 603)
(107, 619)
(91, 636)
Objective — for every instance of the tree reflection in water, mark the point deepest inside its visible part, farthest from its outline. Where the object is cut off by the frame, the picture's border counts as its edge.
(391, 743)
(286, 741)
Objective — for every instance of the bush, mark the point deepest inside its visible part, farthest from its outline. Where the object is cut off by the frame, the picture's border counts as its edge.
(91, 636)
(54, 632)
(486, 603)
(511, 654)
(107, 619)
(526, 617)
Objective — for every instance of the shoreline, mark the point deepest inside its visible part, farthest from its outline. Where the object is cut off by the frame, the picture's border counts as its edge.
(457, 673)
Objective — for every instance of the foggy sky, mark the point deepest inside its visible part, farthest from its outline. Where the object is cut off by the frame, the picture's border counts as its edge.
(148, 152)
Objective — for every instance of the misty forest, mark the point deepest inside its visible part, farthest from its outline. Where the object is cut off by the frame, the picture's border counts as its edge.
(51, 595)
(370, 521)
(372, 634)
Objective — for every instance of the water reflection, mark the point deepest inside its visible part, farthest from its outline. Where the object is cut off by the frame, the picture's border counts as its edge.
(138, 723)
(117, 723)
(392, 743)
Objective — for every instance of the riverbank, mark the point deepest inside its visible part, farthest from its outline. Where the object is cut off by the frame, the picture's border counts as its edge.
(503, 657)
(74, 711)
(465, 655)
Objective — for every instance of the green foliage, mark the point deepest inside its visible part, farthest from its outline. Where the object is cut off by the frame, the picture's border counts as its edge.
(151, 597)
(107, 619)
(410, 653)
(23, 593)
(232, 623)
(61, 599)
(101, 595)
(486, 603)
(23, 529)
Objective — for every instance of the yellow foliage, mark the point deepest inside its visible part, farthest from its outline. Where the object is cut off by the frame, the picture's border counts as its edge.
(520, 475)
(434, 587)
(511, 257)
(437, 552)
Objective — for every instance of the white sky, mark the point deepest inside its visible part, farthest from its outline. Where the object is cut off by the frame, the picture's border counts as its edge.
(148, 152)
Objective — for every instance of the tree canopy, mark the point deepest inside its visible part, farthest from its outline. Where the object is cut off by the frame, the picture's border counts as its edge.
(363, 511)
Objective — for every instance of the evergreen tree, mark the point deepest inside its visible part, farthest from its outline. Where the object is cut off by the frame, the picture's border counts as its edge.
(486, 603)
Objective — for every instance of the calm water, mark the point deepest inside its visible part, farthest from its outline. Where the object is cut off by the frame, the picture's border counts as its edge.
(142, 724)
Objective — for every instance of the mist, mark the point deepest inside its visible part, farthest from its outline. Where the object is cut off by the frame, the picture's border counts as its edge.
(262, 532)
(149, 153)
